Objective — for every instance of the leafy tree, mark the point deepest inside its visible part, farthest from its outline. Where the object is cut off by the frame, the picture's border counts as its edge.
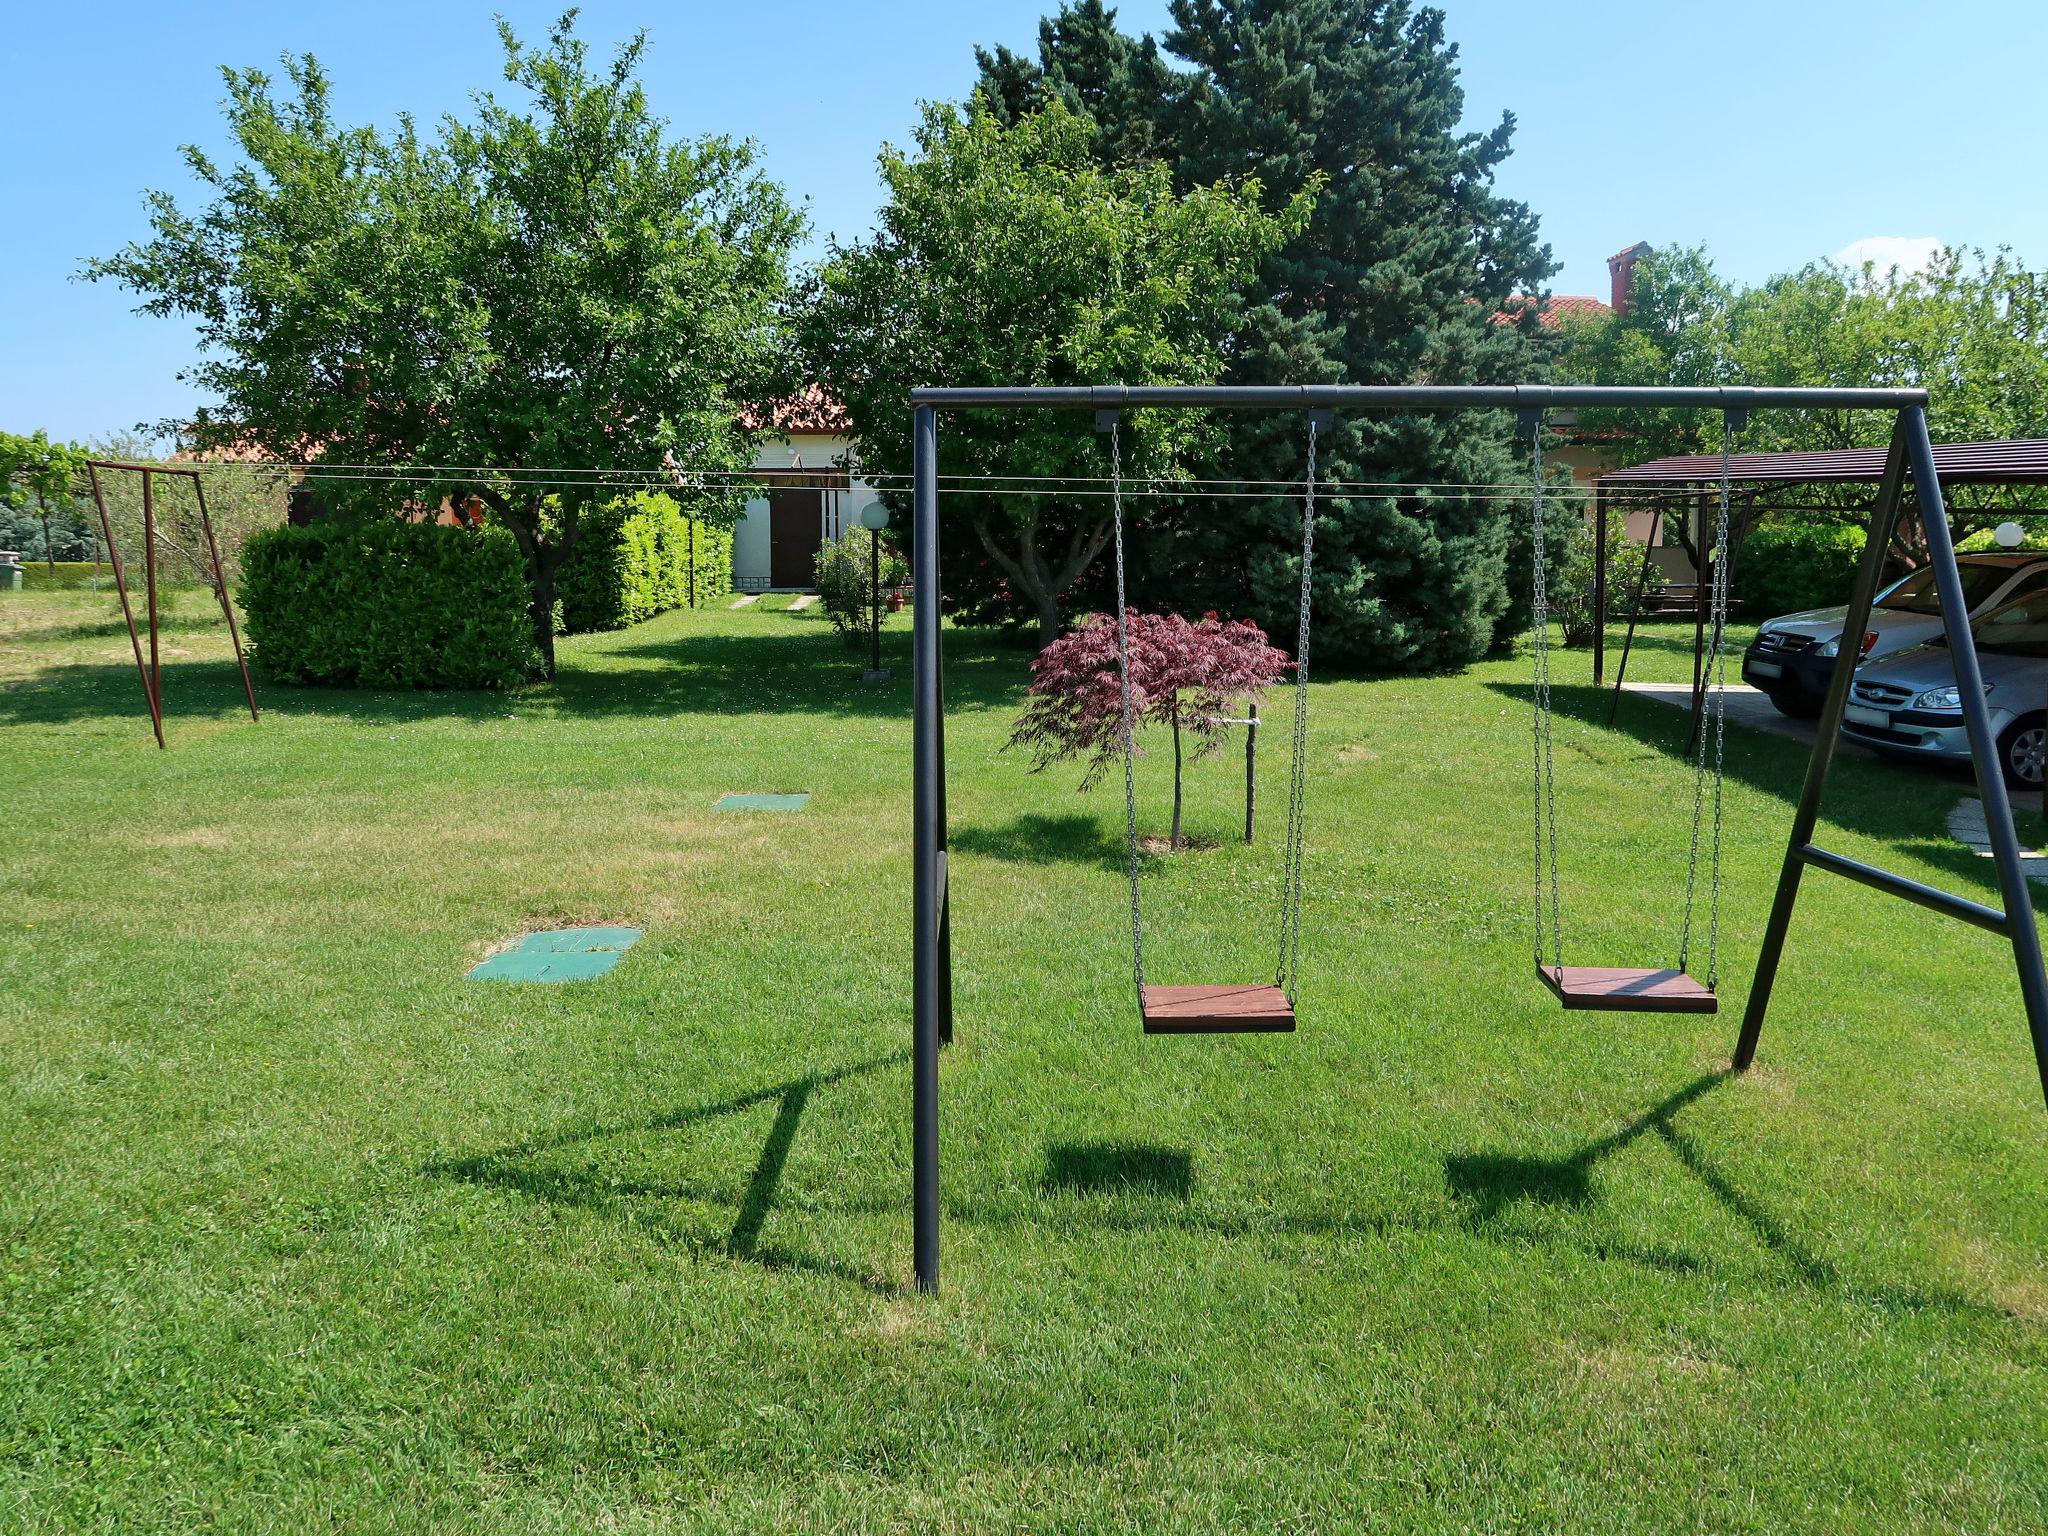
(553, 283)
(1010, 256)
(1396, 277)
(34, 469)
(1183, 676)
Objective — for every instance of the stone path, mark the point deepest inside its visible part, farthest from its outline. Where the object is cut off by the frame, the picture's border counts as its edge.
(1966, 824)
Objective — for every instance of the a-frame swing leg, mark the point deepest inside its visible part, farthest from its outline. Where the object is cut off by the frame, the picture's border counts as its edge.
(1911, 451)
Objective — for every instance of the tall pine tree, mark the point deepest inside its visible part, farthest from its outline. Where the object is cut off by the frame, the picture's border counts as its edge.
(1406, 261)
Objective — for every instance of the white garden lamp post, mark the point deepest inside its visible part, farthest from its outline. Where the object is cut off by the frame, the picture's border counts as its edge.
(875, 517)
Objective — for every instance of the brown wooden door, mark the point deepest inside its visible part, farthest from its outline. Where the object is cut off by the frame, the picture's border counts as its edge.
(795, 523)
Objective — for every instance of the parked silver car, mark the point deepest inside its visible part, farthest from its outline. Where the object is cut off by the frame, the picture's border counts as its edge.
(1908, 704)
(1792, 656)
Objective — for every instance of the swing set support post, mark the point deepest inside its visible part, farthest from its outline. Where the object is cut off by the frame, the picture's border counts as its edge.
(931, 942)
(1912, 454)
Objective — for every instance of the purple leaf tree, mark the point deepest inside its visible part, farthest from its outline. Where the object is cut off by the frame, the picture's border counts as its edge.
(1183, 675)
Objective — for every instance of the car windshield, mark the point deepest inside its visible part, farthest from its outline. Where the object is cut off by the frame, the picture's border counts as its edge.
(1916, 594)
(2015, 629)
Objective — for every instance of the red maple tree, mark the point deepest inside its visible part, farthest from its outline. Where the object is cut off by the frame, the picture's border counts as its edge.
(1183, 675)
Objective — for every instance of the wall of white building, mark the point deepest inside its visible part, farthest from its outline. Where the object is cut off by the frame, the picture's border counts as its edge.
(837, 510)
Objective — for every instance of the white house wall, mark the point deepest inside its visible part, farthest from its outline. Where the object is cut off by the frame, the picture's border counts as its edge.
(838, 511)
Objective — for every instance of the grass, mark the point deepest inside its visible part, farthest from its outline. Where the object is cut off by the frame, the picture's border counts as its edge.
(302, 1230)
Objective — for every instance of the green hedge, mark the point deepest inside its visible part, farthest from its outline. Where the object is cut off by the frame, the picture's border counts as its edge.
(1785, 567)
(375, 603)
(633, 559)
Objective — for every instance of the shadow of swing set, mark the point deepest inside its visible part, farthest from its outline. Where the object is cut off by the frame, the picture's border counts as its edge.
(1238, 1007)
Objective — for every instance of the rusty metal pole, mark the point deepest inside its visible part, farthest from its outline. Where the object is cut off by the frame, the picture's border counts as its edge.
(1251, 764)
(156, 713)
(220, 590)
(156, 661)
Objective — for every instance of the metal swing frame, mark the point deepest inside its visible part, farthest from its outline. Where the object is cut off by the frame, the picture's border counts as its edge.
(1911, 457)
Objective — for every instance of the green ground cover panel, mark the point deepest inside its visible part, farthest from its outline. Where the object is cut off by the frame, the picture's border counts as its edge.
(761, 802)
(561, 954)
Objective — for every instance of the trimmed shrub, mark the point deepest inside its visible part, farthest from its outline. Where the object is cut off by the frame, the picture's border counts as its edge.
(377, 603)
(633, 559)
(843, 588)
(1784, 567)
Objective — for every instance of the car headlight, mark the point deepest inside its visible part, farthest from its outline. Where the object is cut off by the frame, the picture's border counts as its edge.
(1830, 647)
(1949, 698)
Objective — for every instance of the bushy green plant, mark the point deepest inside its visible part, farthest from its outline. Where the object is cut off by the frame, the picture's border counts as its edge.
(633, 559)
(845, 588)
(379, 603)
(1571, 553)
(1787, 566)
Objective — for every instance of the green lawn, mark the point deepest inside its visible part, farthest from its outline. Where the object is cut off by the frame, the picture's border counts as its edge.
(304, 1231)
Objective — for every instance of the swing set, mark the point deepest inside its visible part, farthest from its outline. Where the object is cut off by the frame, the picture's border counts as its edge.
(1238, 1007)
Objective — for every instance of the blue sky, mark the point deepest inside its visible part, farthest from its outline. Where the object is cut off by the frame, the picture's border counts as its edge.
(1772, 132)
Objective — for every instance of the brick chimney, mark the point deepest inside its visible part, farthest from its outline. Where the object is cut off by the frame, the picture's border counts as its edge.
(1621, 274)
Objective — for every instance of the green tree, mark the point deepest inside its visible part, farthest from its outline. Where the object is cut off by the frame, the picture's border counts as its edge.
(1396, 277)
(1010, 256)
(554, 283)
(33, 468)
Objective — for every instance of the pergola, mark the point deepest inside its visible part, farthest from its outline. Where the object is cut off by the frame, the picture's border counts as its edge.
(1771, 482)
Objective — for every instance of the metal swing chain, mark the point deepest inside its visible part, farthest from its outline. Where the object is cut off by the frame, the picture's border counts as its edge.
(1128, 725)
(1539, 724)
(1715, 674)
(1287, 973)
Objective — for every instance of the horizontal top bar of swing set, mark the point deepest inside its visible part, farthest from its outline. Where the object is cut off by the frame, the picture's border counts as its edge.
(1413, 397)
(147, 469)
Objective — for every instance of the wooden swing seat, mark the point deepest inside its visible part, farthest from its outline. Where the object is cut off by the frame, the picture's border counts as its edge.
(1227, 1010)
(1622, 989)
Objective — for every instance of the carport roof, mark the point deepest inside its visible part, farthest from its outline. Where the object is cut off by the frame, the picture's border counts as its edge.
(2012, 461)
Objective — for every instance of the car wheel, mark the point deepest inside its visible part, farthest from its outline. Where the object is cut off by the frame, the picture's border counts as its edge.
(1788, 701)
(2023, 752)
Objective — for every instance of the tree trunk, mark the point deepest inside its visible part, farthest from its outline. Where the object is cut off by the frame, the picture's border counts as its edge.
(541, 564)
(49, 550)
(542, 572)
(1041, 584)
(1173, 841)
(1048, 604)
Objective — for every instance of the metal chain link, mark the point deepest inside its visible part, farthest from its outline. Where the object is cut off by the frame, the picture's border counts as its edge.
(1128, 727)
(1539, 725)
(1287, 974)
(1715, 676)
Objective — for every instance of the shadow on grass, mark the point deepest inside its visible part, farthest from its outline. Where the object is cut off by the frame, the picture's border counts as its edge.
(1117, 1168)
(1034, 838)
(512, 1168)
(1483, 1186)
(1884, 801)
(1489, 1183)
(682, 673)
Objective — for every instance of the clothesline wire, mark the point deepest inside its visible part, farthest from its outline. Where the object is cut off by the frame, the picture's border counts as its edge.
(988, 485)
